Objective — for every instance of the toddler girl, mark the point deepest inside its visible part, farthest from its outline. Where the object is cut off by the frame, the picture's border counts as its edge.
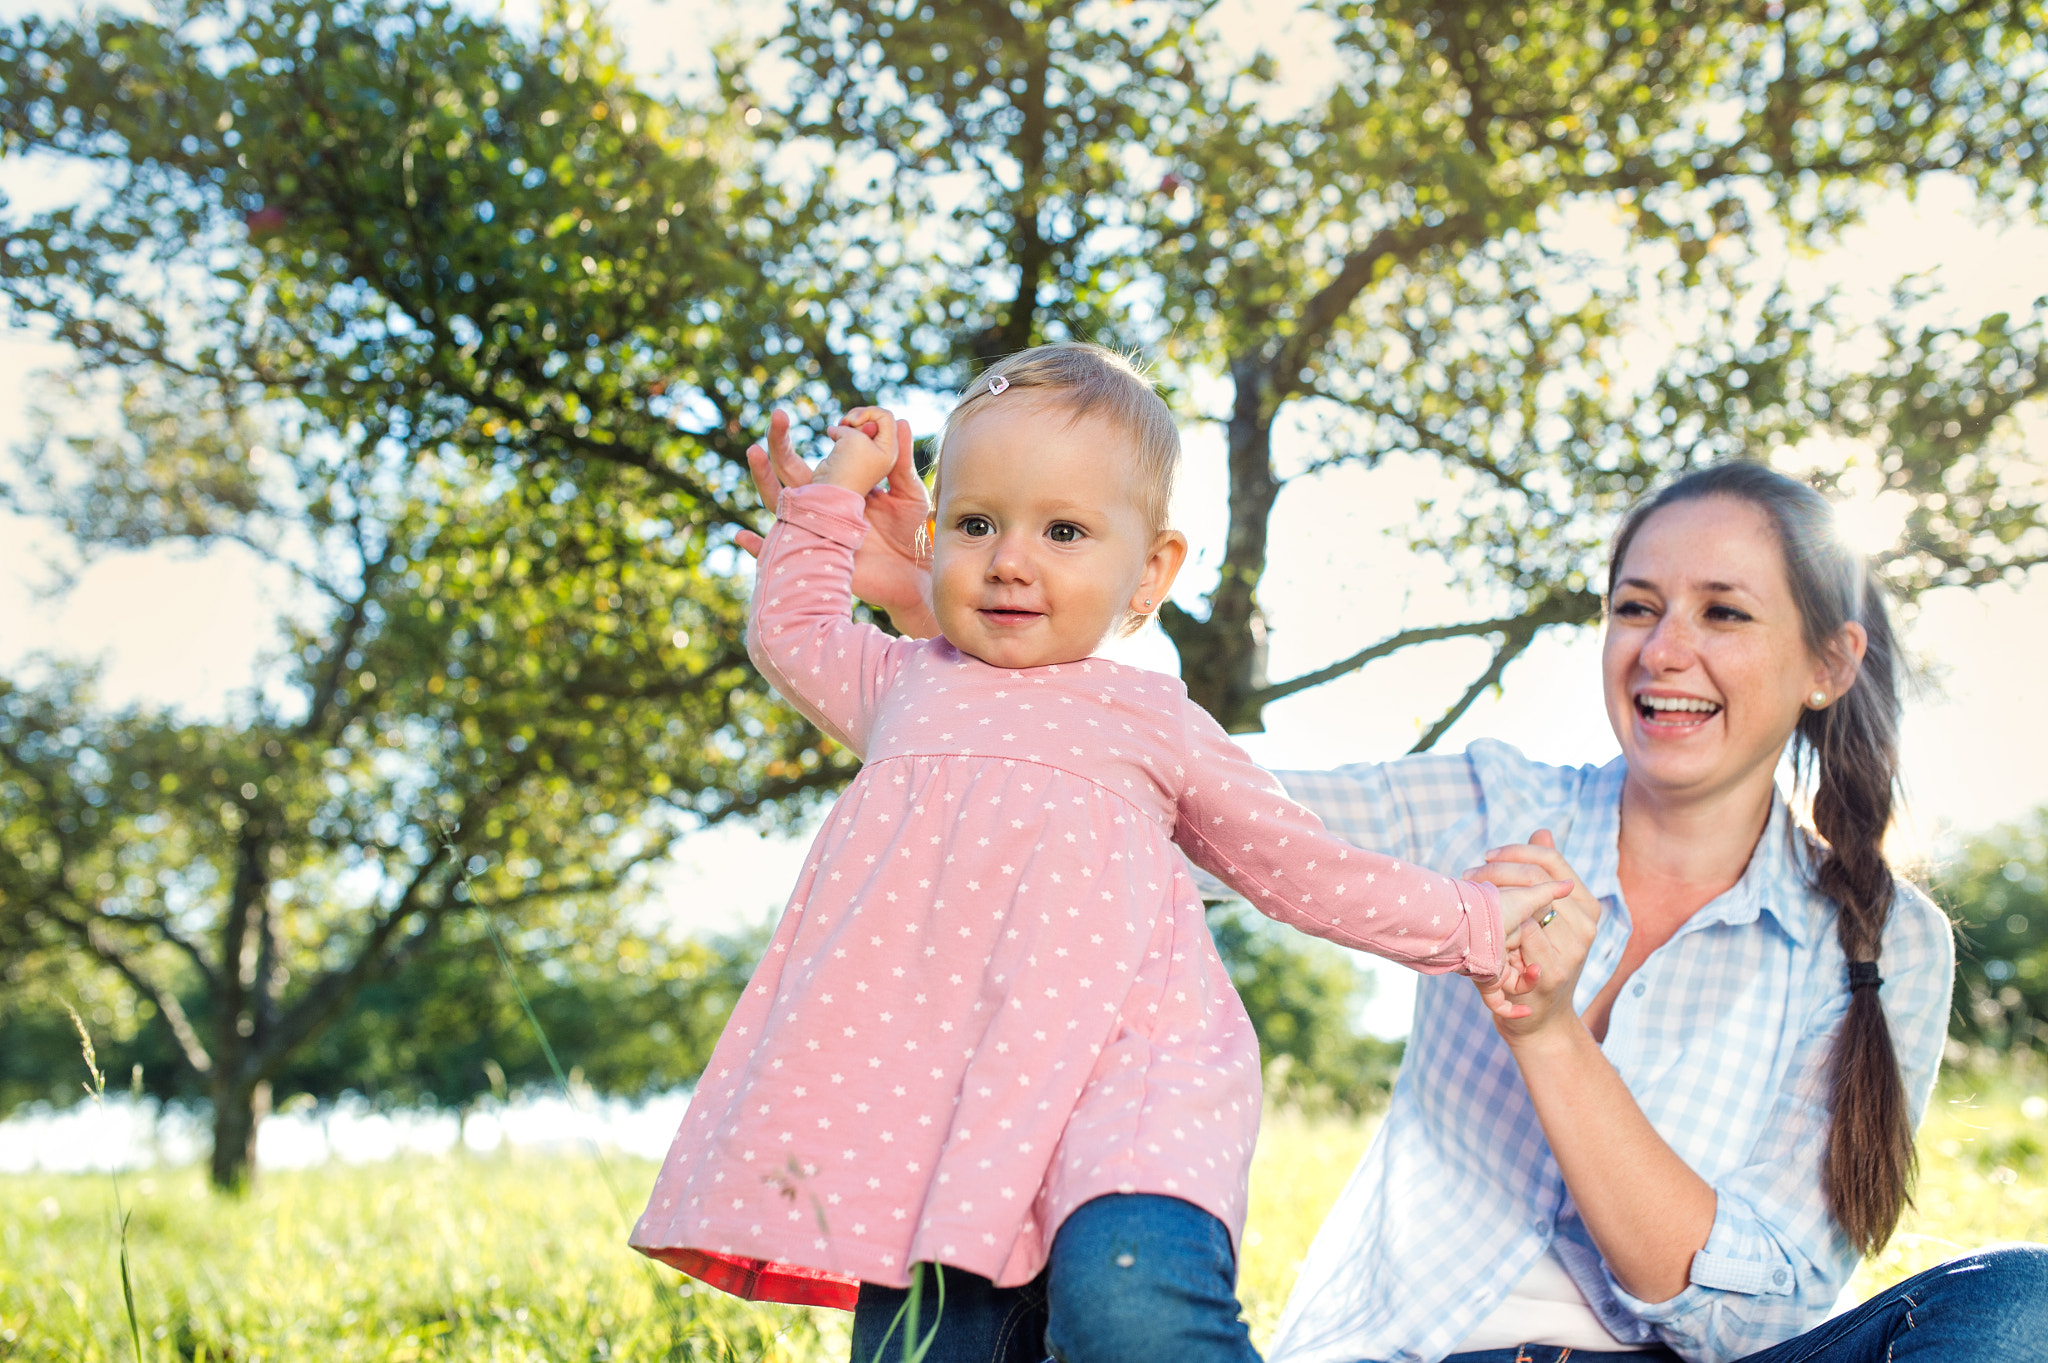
(992, 1031)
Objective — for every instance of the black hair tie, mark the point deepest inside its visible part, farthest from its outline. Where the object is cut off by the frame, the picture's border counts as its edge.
(1863, 975)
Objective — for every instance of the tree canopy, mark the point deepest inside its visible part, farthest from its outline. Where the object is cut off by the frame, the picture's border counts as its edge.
(343, 292)
(465, 331)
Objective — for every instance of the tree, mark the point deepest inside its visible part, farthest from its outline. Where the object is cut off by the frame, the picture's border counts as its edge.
(1997, 889)
(1382, 267)
(468, 333)
(451, 327)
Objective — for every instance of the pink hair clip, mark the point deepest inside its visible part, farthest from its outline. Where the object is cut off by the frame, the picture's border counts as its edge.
(997, 385)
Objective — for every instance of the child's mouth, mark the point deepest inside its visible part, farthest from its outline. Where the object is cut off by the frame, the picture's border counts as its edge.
(1010, 617)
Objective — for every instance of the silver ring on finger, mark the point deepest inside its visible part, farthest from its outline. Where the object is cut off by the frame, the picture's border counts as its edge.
(1545, 920)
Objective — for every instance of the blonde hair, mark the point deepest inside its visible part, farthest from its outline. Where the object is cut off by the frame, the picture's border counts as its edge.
(1086, 380)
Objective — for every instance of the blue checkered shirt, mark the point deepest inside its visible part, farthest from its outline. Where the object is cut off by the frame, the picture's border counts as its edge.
(1722, 1035)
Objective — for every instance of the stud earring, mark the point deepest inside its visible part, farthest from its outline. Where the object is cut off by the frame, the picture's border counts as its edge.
(1818, 699)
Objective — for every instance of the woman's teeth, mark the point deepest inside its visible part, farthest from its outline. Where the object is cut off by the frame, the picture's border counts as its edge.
(1656, 705)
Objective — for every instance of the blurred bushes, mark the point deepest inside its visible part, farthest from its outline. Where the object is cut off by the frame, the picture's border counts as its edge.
(1996, 889)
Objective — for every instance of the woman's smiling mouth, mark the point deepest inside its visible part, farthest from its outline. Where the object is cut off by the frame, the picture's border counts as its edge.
(1675, 712)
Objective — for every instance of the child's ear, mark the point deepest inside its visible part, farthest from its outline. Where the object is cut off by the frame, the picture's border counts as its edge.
(1162, 566)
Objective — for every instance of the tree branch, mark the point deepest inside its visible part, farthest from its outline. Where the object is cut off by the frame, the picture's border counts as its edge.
(1559, 608)
(1511, 648)
(166, 1001)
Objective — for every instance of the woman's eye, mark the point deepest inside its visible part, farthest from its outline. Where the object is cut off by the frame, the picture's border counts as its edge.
(1064, 533)
(1726, 614)
(1632, 610)
(974, 527)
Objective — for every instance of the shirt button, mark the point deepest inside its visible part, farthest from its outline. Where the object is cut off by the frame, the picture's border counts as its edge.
(1543, 1228)
(1778, 1278)
(1639, 988)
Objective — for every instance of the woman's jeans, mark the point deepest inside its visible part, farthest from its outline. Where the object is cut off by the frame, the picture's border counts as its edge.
(1987, 1307)
(1132, 1277)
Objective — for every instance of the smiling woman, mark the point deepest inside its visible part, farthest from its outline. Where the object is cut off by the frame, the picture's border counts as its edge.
(1698, 1121)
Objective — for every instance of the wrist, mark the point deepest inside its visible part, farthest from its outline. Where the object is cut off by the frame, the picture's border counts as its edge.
(1555, 1039)
(827, 476)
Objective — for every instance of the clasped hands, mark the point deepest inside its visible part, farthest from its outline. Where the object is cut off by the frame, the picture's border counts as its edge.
(889, 569)
(1534, 991)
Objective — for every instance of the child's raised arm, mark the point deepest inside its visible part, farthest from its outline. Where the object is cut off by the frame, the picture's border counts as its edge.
(800, 632)
(1236, 823)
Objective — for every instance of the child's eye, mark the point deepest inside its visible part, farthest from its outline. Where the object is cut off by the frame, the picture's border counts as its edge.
(1065, 532)
(974, 527)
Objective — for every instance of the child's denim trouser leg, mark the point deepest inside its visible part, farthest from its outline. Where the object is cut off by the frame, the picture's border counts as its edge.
(1135, 1278)
(979, 1322)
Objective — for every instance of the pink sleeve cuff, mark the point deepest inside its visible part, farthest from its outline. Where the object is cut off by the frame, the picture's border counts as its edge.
(1488, 955)
(833, 513)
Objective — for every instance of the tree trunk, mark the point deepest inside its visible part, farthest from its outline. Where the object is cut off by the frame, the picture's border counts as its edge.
(239, 1108)
(1223, 657)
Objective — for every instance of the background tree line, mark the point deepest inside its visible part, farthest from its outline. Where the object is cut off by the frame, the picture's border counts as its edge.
(464, 331)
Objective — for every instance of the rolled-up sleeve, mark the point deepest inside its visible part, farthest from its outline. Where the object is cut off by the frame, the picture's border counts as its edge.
(1775, 1263)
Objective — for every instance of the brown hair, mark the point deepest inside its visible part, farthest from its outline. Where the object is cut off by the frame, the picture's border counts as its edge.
(1848, 752)
(1085, 380)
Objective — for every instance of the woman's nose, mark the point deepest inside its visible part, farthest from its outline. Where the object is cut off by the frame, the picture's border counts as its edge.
(1669, 647)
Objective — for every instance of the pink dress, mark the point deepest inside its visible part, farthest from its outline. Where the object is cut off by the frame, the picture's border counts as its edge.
(993, 995)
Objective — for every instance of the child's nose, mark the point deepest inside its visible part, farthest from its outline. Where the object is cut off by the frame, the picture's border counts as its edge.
(1011, 561)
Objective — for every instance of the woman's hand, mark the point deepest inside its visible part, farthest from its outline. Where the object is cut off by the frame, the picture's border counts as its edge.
(1534, 996)
(1647, 1209)
(889, 569)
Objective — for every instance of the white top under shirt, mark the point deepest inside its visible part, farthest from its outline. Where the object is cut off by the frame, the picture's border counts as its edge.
(1723, 1036)
(1545, 1307)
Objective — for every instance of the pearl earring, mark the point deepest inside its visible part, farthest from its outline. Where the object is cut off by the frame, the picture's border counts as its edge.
(1818, 699)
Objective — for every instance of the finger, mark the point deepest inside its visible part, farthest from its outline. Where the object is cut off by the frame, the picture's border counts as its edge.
(765, 481)
(903, 479)
(1501, 1005)
(1506, 874)
(1548, 859)
(877, 423)
(782, 456)
(749, 541)
(1541, 837)
(1543, 949)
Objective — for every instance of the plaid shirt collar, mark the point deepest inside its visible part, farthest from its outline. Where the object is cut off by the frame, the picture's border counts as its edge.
(1592, 846)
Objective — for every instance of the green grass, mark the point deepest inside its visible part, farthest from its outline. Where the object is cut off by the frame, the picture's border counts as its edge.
(523, 1257)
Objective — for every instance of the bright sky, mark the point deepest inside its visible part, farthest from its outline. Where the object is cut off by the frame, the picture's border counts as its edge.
(189, 630)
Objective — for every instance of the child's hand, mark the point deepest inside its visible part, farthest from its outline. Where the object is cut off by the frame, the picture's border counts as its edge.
(865, 447)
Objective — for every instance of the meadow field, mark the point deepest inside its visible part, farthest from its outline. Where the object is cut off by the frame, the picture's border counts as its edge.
(522, 1257)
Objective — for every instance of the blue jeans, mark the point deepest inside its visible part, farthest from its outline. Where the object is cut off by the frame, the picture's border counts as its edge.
(1132, 1277)
(1987, 1307)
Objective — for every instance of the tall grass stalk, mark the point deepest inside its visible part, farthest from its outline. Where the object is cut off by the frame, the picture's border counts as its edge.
(569, 1096)
(914, 1349)
(96, 1088)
